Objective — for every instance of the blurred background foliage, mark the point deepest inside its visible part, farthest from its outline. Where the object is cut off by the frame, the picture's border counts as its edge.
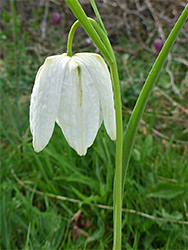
(58, 200)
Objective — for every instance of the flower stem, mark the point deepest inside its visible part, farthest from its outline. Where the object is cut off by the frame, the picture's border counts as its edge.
(119, 139)
(119, 130)
(70, 37)
(134, 121)
(118, 170)
(82, 17)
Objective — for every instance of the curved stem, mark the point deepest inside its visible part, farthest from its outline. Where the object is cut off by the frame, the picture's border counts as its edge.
(82, 17)
(134, 121)
(105, 40)
(70, 37)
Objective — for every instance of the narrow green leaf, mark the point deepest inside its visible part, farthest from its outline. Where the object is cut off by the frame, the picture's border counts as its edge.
(94, 6)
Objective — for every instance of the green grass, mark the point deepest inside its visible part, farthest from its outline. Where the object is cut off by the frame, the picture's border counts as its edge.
(157, 178)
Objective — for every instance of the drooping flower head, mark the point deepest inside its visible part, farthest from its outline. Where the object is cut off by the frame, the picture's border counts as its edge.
(56, 18)
(76, 92)
(158, 44)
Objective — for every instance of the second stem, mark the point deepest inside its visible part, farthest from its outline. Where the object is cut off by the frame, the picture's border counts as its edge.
(118, 170)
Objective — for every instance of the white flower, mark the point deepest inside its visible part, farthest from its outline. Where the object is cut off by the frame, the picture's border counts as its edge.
(76, 92)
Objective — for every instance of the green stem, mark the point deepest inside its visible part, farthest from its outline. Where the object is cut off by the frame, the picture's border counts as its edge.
(70, 37)
(119, 129)
(119, 139)
(118, 170)
(134, 121)
(82, 17)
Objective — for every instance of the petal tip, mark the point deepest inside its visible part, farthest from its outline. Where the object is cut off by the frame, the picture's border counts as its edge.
(81, 153)
(113, 138)
(36, 149)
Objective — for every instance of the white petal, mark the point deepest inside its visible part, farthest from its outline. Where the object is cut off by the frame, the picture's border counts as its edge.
(45, 100)
(79, 109)
(98, 71)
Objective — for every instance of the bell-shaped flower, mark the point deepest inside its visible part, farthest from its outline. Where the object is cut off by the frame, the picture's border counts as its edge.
(76, 92)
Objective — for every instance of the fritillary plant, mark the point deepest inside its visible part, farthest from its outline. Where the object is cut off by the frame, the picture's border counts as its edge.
(81, 91)
(56, 18)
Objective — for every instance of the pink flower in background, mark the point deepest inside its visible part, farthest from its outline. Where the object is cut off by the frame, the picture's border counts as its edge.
(56, 18)
(88, 40)
(1, 55)
(158, 44)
